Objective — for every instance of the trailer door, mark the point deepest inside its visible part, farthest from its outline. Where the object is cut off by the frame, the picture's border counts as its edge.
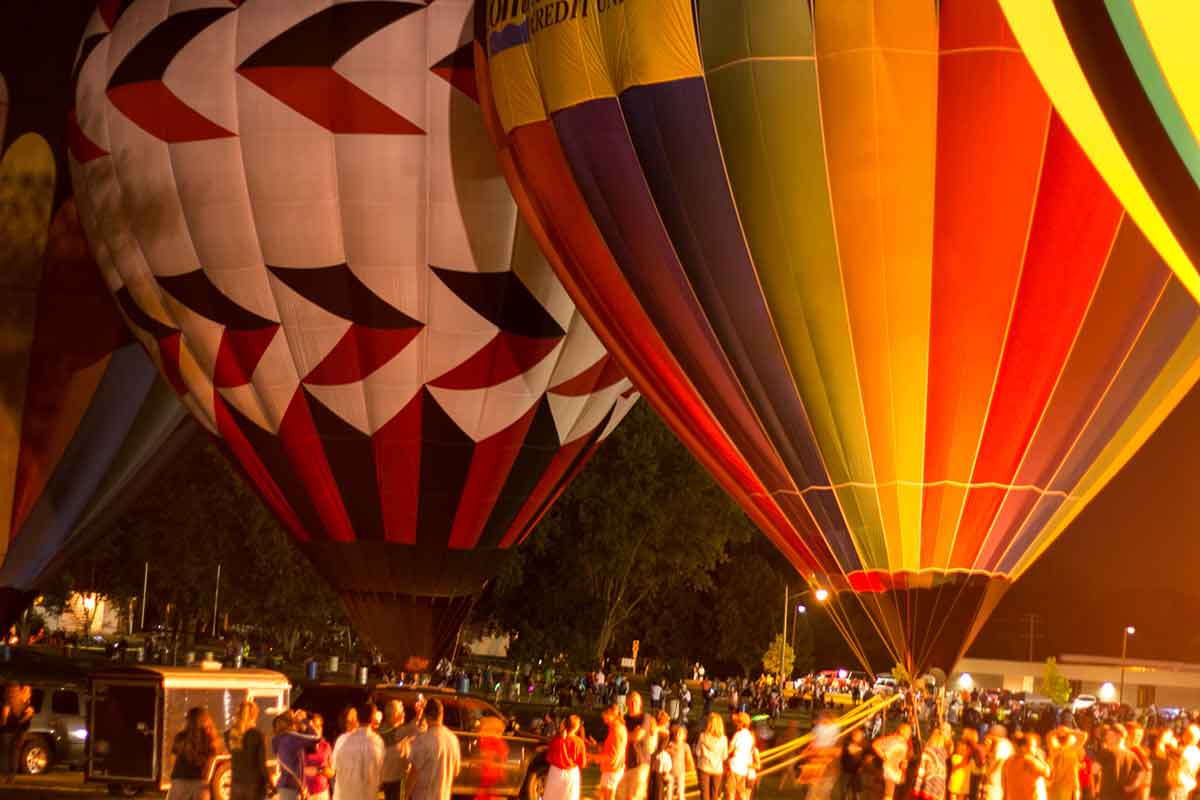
(125, 723)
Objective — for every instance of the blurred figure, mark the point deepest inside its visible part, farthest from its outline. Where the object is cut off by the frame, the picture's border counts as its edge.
(854, 752)
(893, 752)
(997, 749)
(1065, 748)
(681, 762)
(822, 757)
(1025, 772)
(1135, 735)
(493, 751)
(567, 757)
(357, 759)
(613, 754)
(712, 751)
(1189, 763)
(964, 763)
(1164, 760)
(194, 749)
(249, 777)
(663, 769)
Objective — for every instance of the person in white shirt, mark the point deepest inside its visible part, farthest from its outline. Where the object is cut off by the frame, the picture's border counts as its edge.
(743, 759)
(357, 759)
(436, 757)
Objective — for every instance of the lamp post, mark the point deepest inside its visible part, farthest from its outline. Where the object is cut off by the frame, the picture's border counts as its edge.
(1129, 631)
(820, 594)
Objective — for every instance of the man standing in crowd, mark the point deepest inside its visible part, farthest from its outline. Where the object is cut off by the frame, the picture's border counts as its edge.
(358, 759)
(436, 758)
(1118, 772)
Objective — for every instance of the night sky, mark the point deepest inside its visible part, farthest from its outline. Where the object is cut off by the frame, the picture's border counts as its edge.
(1130, 558)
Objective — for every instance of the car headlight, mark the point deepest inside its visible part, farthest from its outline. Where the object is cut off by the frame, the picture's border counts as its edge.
(80, 734)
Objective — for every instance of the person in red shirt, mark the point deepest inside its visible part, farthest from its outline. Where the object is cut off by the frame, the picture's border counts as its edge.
(567, 757)
(612, 754)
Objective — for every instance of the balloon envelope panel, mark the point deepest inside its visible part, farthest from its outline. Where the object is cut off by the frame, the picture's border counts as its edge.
(299, 211)
(1123, 76)
(860, 265)
(83, 417)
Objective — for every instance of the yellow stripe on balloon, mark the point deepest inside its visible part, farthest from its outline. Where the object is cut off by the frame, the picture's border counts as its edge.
(1040, 32)
(591, 50)
(1170, 28)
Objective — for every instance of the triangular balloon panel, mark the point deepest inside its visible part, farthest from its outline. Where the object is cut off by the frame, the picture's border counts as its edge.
(298, 208)
(853, 256)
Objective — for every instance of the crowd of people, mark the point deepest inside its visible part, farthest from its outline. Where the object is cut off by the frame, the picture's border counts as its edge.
(645, 756)
(1112, 761)
(384, 750)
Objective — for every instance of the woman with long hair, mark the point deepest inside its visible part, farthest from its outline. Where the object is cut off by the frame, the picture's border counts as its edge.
(194, 749)
(712, 750)
(567, 757)
(248, 756)
(293, 736)
(930, 783)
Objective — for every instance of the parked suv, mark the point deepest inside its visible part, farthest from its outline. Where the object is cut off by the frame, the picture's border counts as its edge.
(523, 765)
(58, 731)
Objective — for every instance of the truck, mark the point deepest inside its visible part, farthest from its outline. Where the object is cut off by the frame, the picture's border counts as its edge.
(135, 713)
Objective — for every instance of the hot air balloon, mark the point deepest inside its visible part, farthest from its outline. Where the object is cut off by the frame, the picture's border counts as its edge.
(84, 420)
(853, 257)
(1122, 75)
(300, 213)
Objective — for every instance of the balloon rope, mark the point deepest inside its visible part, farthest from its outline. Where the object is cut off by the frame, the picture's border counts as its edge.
(847, 632)
(889, 640)
(851, 636)
(946, 617)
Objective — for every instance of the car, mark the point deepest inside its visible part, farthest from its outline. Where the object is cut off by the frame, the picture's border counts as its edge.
(57, 733)
(1082, 701)
(885, 684)
(524, 763)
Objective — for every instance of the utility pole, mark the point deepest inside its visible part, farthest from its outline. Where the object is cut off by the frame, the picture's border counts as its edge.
(1032, 620)
(145, 587)
(787, 606)
(216, 597)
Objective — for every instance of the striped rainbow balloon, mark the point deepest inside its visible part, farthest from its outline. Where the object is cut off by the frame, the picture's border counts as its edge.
(854, 257)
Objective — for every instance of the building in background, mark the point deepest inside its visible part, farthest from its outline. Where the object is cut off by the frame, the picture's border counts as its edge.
(1164, 684)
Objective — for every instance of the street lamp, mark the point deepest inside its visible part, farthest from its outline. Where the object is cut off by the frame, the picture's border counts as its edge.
(800, 609)
(1129, 631)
